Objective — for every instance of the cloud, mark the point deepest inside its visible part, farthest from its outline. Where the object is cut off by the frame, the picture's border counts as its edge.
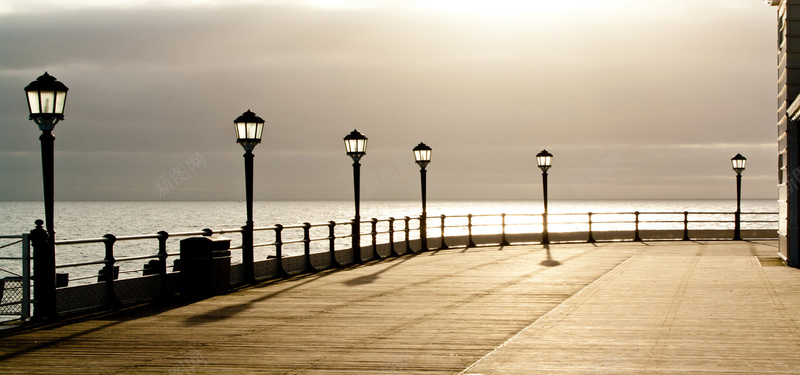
(150, 84)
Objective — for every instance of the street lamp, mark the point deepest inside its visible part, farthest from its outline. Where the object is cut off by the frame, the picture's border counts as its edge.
(544, 159)
(249, 128)
(46, 100)
(355, 144)
(422, 155)
(738, 162)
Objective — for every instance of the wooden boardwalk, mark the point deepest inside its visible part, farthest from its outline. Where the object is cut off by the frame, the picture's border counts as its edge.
(609, 308)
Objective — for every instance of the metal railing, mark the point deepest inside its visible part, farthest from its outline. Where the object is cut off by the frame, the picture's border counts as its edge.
(310, 238)
(303, 244)
(15, 290)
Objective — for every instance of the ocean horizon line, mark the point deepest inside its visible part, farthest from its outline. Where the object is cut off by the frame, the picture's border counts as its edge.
(401, 200)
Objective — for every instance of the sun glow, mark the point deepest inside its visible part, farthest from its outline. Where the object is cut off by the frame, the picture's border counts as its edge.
(514, 7)
(479, 8)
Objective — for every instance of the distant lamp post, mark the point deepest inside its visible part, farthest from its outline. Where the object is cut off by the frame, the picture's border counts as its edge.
(738, 162)
(544, 159)
(422, 155)
(355, 144)
(249, 128)
(46, 100)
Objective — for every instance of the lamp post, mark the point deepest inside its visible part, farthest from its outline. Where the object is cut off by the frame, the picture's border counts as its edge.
(544, 159)
(355, 144)
(46, 100)
(422, 155)
(249, 128)
(738, 162)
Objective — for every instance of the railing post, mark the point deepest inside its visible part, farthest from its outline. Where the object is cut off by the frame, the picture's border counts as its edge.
(248, 259)
(374, 234)
(332, 244)
(279, 251)
(591, 233)
(44, 271)
(443, 245)
(392, 251)
(503, 241)
(356, 239)
(26, 277)
(737, 216)
(408, 231)
(423, 233)
(108, 269)
(686, 225)
(307, 247)
(636, 232)
(162, 261)
(470, 242)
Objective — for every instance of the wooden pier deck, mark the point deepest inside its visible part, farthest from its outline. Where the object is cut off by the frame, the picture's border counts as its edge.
(606, 308)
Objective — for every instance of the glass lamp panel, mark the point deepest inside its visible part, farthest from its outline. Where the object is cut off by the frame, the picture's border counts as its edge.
(61, 100)
(738, 162)
(544, 161)
(47, 101)
(259, 130)
(241, 132)
(422, 155)
(361, 146)
(33, 102)
(358, 146)
(251, 130)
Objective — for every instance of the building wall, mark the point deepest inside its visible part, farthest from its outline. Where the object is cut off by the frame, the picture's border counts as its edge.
(788, 57)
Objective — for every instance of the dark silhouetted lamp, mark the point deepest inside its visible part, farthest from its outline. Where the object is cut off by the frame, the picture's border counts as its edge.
(355, 144)
(249, 128)
(738, 162)
(46, 100)
(545, 160)
(422, 155)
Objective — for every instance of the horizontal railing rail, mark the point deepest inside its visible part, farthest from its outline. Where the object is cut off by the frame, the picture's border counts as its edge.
(319, 237)
(284, 250)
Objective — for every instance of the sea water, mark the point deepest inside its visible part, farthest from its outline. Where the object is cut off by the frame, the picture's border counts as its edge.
(94, 219)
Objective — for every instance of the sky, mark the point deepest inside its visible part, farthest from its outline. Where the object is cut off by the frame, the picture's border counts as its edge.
(635, 99)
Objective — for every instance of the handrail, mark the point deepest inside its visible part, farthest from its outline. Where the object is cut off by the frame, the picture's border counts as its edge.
(447, 226)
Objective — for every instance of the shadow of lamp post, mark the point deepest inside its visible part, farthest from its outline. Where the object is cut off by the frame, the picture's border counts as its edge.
(738, 162)
(422, 155)
(249, 128)
(355, 144)
(544, 159)
(46, 100)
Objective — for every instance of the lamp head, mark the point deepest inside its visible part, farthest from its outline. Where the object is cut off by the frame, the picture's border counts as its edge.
(422, 155)
(355, 144)
(544, 159)
(249, 129)
(46, 100)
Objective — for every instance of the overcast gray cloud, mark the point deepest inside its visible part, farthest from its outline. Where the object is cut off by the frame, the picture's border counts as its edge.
(622, 89)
